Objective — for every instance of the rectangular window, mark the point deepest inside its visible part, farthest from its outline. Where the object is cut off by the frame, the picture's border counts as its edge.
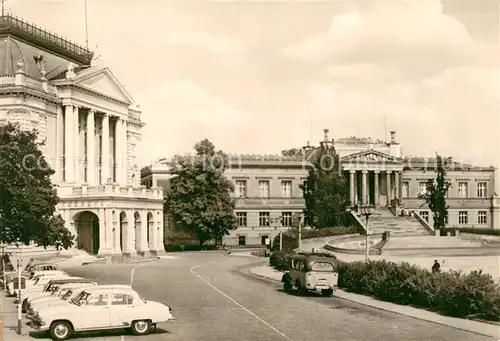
(286, 189)
(241, 218)
(463, 218)
(422, 187)
(263, 218)
(424, 215)
(264, 188)
(242, 240)
(462, 189)
(405, 188)
(481, 189)
(241, 188)
(481, 217)
(286, 219)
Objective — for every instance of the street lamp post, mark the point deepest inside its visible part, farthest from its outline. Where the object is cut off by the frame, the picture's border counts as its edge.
(3, 246)
(298, 220)
(367, 211)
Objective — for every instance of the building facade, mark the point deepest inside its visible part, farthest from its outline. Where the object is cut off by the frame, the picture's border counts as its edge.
(91, 127)
(267, 187)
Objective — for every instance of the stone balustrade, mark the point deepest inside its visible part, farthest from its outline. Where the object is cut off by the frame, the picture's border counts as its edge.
(110, 190)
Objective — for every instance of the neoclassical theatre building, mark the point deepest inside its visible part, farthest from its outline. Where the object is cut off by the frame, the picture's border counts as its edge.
(267, 188)
(91, 126)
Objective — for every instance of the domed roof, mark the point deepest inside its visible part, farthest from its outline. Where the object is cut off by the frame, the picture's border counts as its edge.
(12, 51)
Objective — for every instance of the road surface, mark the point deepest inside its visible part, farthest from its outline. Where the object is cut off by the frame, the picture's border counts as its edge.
(215, 298)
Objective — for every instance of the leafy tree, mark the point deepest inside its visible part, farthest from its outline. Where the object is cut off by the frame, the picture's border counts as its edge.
(27, 197)
(435, 195)
(291, 152)
(199, 198)
(325, 191)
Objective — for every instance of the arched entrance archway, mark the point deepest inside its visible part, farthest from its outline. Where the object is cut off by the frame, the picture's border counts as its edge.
(123, 228)
(87, 231)
(151, 231)
(137, 231)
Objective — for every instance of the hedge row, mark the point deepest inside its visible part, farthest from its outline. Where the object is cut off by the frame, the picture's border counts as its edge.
(486, 231)
(189, 247)
(290, 239)
(453, 293)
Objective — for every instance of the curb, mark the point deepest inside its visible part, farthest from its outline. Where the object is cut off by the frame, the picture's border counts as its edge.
(395, 311)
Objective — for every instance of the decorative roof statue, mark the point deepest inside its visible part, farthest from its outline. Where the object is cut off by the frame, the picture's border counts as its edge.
(71, 71)
(40, 61)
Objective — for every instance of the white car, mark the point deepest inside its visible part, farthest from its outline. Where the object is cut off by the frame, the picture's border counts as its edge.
(63, 294)
(67, 298)
(39, 281)
(48, 288)
(101, 308)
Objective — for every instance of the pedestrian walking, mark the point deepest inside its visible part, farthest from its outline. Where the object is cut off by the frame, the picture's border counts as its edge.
(436, 267)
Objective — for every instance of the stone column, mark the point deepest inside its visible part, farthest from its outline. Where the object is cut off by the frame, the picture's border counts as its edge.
(102, 231)
(76, 141)
(143, 246)
(91, 164)
(396, 185)
(352, 194)
(69, 151)
(105, 150)
(388, 188)
(128, 239)
(364, 198)
(59, 145)
(152, 233)
(118, 151)
(124, 151)
(377, 194)
(116, 234)
(160, 248)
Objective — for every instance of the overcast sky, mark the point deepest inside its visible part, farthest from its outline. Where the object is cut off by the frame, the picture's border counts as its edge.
(258, 77)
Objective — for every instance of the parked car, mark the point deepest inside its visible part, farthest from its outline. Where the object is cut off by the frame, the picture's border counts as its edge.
(47, 289)
(61, 296)
(101, 308)
(40, 280)
(311, 273)
(37, 267)
(68, 297)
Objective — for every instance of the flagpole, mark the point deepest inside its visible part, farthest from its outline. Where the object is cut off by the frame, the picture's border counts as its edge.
(86, 26)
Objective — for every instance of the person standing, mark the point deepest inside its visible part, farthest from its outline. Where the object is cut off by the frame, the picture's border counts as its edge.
(436, 267)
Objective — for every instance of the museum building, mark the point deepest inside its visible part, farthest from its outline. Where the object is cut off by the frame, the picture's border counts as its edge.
(268, 195)
(91, 127)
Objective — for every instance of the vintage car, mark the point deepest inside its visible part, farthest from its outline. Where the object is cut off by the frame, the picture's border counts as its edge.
(63, 294)
(48, 288)
(67, 297)
(101, 308)
(310, 272)
(40, 280)
(37, 267)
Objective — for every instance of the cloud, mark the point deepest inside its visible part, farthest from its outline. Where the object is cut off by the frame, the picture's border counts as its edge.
(411, 66)
(405, 32)
(202, 44)
(179, 114)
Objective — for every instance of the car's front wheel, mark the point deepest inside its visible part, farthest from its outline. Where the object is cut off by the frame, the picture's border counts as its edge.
(60, 330)
(141, 327)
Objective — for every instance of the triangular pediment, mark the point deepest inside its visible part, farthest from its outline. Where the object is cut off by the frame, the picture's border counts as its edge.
(371, 156)
(104, 82)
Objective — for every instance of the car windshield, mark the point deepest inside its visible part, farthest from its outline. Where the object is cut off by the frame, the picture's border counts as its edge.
(81, 298)
(322, 267)
(66, 295)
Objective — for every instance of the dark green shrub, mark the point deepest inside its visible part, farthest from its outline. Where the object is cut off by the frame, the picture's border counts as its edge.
(473, 230)
(188, 247)
(279, 260)
(289, 241)
(450, 293)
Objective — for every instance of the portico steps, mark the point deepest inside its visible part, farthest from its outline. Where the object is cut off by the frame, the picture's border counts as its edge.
(383, 220)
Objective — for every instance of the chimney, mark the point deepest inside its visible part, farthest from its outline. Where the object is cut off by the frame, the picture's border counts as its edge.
(326, 131)
(393, 136)
(308, 144)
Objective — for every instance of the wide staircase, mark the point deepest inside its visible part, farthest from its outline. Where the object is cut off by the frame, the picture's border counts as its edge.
(383, 220)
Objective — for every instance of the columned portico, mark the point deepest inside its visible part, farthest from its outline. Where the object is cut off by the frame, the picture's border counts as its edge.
(377, 186)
